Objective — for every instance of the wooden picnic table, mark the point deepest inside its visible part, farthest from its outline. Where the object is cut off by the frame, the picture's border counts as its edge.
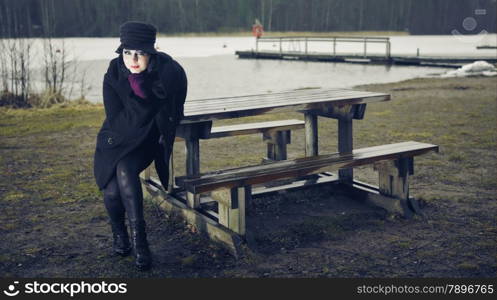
(341, 104)
(232, 188)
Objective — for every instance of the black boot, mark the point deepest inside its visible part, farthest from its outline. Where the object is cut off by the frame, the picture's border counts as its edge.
(121, 245)
(143, 258)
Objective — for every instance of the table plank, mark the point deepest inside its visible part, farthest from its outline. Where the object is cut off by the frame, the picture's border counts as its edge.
(250, 105)
(285, 95)
(281, 94)
(290, 99)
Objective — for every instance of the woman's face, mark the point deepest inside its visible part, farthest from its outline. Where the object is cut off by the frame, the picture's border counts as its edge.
(135, 60)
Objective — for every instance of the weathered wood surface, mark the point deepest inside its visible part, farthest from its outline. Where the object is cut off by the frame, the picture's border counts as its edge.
(191, 133)
(170, 184)
(231, 207)
(290, 101)
(394, 180)
(254, 128)
(314, 180)
(345, 146)
(204, 224)
(194, 130)
(346, 111)
(276, 144)
(311, 134)
(302, 166)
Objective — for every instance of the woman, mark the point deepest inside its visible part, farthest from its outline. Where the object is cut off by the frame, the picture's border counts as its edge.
(143, 92)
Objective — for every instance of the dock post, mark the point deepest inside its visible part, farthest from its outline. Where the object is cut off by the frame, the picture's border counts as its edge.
(334, 46)
(388, 48)
(365, 45)
(306, 46)
(256, 45)
(281, 46)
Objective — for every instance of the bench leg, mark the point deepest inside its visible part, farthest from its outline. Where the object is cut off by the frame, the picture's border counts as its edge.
(231, 206)
(192, 200)
(345, 146)
(170, 184)
(192, 146)
(191, 133)
(276, 144)
(394, 180)
(311, 134)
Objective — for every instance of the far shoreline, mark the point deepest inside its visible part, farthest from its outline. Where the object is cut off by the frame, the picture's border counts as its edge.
(249, 34)
(285, 33)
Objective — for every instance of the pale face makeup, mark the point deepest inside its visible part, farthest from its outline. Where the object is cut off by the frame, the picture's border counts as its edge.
(135, 60)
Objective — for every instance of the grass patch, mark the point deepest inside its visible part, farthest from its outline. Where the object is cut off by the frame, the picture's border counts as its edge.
(468, 266)
(457, 157)
(22, 122)
(14, 196)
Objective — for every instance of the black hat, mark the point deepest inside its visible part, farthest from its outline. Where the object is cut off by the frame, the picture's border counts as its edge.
(137, 36)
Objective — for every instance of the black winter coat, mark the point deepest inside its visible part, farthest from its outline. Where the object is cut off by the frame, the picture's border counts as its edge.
(130, 119)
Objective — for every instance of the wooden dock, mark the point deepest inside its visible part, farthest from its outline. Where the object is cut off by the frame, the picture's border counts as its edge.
(362, 57)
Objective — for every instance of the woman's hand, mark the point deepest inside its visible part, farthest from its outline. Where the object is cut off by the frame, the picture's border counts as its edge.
(138, 84)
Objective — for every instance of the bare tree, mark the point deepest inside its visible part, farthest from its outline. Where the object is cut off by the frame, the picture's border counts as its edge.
(16, 58)
(56, 60)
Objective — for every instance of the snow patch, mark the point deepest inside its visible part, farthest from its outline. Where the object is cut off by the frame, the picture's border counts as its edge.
(477, 68)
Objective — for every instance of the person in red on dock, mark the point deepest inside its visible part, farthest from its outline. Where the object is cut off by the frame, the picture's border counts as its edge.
(144, 92)
(257, 29)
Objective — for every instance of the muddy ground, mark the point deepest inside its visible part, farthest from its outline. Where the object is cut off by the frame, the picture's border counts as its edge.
(53, 222)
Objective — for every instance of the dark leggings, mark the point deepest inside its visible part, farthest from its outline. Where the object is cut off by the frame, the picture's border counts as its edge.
(123, 193)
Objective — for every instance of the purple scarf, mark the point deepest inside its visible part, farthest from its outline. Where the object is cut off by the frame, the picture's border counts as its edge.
(137, 83)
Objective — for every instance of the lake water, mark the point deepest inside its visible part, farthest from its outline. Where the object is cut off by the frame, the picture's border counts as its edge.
(214, 70)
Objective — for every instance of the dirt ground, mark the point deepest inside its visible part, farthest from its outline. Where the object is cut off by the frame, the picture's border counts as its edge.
(53, 222)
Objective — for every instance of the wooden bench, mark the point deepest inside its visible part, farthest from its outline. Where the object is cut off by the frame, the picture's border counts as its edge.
(231, 189)
(277, 134)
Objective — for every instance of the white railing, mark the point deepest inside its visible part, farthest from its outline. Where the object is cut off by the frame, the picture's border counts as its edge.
(332, 41)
